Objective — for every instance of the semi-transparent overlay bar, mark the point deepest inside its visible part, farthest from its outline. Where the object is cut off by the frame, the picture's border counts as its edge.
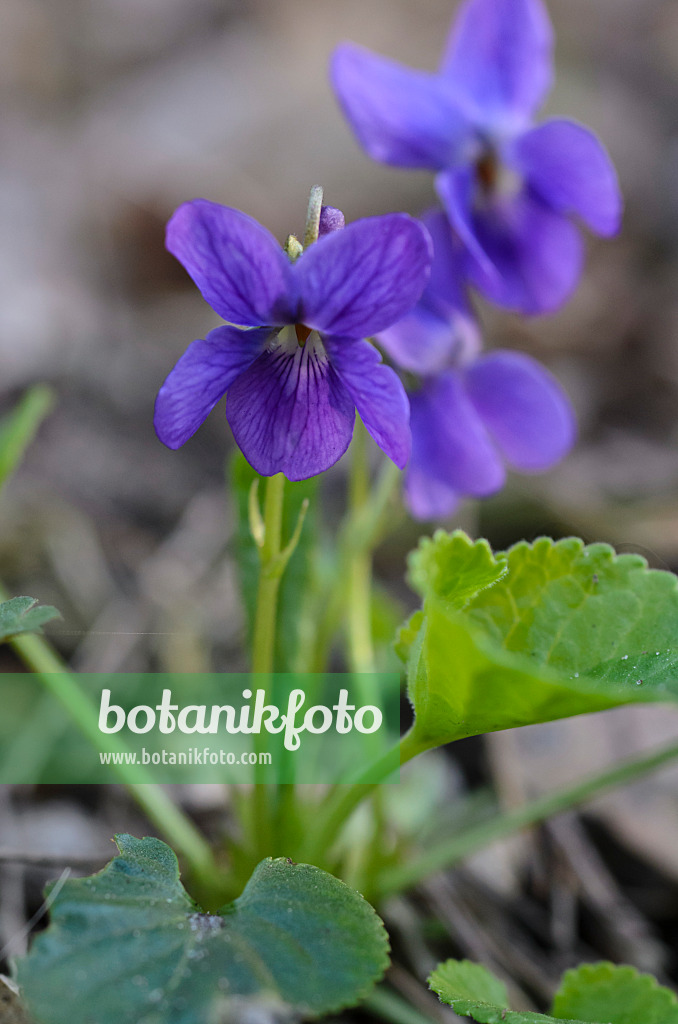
(207, 728)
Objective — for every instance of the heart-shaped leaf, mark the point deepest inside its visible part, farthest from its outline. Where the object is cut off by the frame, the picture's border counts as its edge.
(591, 993)
(129, 946)
(473, 991)
(568, 629)
(24, 615)
(620, 995)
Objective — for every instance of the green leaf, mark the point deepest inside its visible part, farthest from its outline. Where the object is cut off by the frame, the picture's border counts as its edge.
(590, 993)
(472, 991)
(18, 429)
(453, 567)
(129, 946)
(296, 588)
(407, 636)
(567, 630)
(24, 615)
(466, 982)
(618, 995)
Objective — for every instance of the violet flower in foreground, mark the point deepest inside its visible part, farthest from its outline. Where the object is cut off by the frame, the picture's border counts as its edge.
(509, 189)
(470, 412)
(296, 368)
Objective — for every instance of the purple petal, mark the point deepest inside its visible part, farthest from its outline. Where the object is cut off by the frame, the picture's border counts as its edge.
(449, 441)
(426, 497)
(422, 342)
(364, 278)
(237, 264)
(290, 412)
(523, 407)
(456, 191)
(400, 116)
(378, 395)
(500, 59)
(441, 330)
(570, 170)
(522, 254)
(200, 378)
(448, 283)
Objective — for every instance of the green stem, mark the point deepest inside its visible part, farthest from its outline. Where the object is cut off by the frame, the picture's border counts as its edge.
(355, 592)
(359, 604)
(450, 851)
(273, 559)
(386, 1004)
(270, 573)
(179, 831)
(343, 800)
(368, 528)
(360, 534)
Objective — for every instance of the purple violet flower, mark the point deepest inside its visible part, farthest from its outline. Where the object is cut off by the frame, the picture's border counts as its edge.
(296, 367)
(509, 189)
(470, 412)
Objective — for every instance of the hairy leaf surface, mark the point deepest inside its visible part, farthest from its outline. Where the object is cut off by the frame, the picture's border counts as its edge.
(24, 615)
(620, 995)
(568, 629)
(599, 993)
(129, 946)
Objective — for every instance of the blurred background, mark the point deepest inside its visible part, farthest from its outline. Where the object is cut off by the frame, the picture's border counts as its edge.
(112, 112)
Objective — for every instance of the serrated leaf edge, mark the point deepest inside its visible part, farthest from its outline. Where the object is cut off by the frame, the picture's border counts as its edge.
(129, 845)
(470, 963)
(479, 545)
(605, 968)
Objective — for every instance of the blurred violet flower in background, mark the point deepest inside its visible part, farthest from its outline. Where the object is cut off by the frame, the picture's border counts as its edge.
(296, 368)
(470, 412)
(509, 189)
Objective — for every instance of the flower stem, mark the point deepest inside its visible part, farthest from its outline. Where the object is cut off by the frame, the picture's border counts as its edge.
(343, 800)
(270, 573)
(273, 559)
(358, 534)
(450, 851)
(263, 641)
(359, 603)
(179, 831)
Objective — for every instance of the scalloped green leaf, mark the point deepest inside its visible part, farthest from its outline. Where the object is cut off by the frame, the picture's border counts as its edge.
(453, 567)
(567, 630)
(24, 615)
(617, 995)
(465, 981)
(407, 635)
(473, 991)
(129, 946)
(590, 993)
